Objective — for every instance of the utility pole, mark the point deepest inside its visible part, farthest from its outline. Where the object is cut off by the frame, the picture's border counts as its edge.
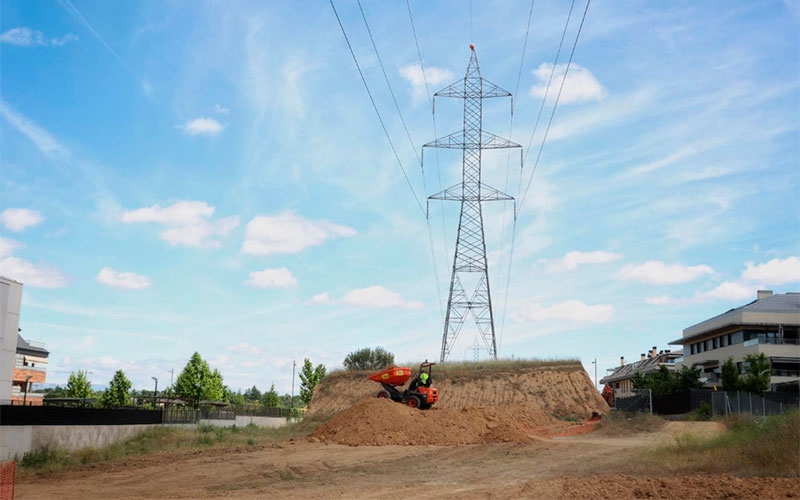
(291, 401)
(469, 280)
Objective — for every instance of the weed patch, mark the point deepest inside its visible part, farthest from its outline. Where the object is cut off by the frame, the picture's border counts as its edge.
(622, 423)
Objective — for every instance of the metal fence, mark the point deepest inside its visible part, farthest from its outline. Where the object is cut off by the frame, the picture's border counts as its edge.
(727, 402)
(634, 401)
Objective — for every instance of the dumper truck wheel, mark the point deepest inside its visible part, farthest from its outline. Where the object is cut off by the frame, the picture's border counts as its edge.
(414, 402)
(383, 394)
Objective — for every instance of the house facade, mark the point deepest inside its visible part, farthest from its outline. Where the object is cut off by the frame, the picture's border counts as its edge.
(30, 367)
(619, 382)
(768, 325)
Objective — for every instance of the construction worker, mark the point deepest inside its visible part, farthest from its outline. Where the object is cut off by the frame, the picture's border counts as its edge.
(424, 380)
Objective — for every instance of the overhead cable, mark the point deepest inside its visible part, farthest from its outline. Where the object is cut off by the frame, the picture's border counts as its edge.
(375, 107)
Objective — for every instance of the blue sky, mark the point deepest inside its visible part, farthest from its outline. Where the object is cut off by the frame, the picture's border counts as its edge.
(212, 177)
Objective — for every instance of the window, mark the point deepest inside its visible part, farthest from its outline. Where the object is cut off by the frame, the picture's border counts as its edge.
(714, 343)
(737, 338)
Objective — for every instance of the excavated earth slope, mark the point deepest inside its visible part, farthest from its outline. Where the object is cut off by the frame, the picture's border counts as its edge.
(487, 406)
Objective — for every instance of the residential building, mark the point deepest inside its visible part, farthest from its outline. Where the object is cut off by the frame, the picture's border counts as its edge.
(767, 325)
(30, 368)
(10, 302)
(620, 381)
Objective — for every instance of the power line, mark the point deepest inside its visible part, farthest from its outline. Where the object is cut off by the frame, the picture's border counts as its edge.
(438, 165)
(375, 107)
(555, 105)
(508, 165)
(389, 85)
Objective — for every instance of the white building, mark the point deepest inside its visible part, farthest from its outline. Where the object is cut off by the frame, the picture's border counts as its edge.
(767, 325)
(10, 303)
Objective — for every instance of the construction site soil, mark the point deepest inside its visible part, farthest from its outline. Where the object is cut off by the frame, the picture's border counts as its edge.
(493, 435)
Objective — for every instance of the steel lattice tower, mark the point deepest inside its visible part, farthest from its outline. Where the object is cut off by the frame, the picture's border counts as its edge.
(469, 262)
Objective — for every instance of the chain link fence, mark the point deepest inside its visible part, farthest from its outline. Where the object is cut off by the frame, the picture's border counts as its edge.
(636, 400)
(727, 402)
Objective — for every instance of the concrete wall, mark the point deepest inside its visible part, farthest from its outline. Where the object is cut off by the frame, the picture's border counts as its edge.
(17, 440)
(243, 421)
(10, 303)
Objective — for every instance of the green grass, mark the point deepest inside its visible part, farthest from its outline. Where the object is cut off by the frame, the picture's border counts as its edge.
(459, 369)
(160, 440)
(748, 447)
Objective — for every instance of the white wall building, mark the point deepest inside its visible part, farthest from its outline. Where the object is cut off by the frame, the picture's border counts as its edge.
(767, 325)
(10, 303)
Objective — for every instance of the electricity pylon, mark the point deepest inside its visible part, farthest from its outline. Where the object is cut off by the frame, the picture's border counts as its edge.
(469, 260)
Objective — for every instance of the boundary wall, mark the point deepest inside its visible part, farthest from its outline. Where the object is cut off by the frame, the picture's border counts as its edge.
(17, 440)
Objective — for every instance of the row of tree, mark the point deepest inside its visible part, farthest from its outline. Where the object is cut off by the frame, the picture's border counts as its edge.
(196, 383)
(754, 377)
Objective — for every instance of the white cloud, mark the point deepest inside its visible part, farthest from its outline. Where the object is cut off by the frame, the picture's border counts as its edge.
(753, 278)
(728, 291)
(30, 274)
(58, 42)
(573, 311)
(774, 272)
(378, 297)
(244, 348)
(657, 273)
(201, 126)
(434, 76)
(187, 223)
(661, 300)
(45, 142)
(26, 37)
(222, 110)
(126, 280)
(18, 219)
(288, 233)
(272, 278)
(7, 247)
(180, 213)
(322, 298)
(576, 258)
(580, 86)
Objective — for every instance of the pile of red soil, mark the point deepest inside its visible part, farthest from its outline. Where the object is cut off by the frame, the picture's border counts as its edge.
(377, 422)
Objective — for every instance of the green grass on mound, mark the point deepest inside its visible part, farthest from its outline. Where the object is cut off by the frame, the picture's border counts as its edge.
(459, 369)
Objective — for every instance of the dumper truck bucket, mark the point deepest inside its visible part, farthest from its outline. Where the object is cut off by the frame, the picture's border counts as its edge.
(394, 376)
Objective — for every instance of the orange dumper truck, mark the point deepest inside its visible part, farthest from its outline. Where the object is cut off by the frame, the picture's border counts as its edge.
(419, 393)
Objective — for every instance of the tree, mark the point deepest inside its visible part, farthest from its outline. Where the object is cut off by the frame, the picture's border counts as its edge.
(688, 377)
(664, 382)
(118, 392)
(197, 382)
(252, 394)
(368, 359)
(79, 386)
(757, 373)
(270, 399)
(309, 377)
(730, 376)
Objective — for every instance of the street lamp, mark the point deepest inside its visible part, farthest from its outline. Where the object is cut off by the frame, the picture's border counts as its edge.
(25, 397)
(595, 372)
(155, 392)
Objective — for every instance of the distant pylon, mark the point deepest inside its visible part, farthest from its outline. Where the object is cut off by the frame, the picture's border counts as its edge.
(470, 252)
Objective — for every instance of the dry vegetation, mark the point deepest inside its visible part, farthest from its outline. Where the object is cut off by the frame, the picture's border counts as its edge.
(166, 439)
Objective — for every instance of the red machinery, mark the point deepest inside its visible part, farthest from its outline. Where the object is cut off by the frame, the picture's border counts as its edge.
(419, 394)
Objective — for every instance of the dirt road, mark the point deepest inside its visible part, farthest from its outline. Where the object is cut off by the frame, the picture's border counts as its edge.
(583, 466)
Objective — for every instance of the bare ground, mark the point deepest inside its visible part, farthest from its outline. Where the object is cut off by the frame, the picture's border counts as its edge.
(492, 435)
(583, 466)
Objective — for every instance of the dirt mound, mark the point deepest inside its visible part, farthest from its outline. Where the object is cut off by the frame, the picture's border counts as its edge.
(377, 422)
(563, 389)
